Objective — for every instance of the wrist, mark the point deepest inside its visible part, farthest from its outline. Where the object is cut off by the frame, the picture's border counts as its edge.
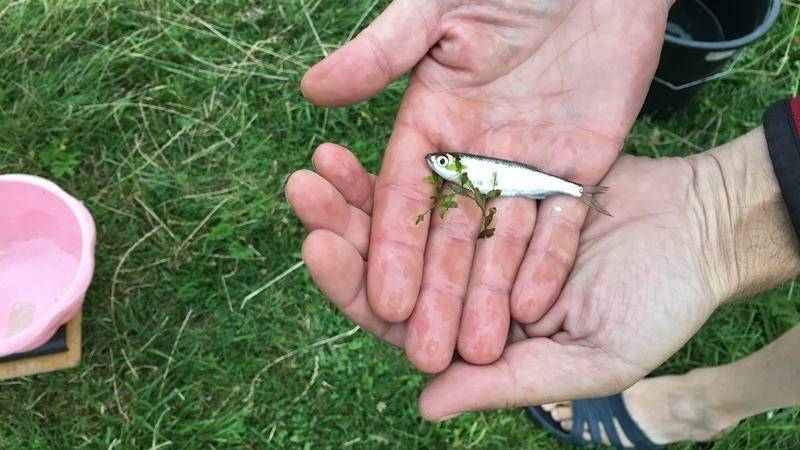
(749, 242)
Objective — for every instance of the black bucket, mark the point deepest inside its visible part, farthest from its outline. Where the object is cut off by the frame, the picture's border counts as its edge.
(703, 42)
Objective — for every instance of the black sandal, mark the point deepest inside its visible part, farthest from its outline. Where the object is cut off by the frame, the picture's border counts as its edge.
(593, 412)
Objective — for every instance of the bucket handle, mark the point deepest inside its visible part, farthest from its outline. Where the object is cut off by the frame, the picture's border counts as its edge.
(723, 73)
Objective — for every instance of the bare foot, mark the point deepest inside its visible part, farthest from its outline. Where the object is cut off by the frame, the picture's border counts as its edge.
(668, 409)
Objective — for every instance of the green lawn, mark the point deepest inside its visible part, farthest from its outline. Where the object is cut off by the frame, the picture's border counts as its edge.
(177, 123)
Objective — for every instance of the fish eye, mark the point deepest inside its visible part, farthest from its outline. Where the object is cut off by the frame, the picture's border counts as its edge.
(442, 161)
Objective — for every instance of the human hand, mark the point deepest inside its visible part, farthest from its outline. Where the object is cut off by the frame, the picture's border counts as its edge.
(556, 84)
(688, 234)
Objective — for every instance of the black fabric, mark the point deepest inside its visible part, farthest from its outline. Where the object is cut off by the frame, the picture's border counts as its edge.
(784, 151)
(56, 344)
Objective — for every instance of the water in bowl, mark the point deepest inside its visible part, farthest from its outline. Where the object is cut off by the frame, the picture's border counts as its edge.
(34, 274)
(694, 21)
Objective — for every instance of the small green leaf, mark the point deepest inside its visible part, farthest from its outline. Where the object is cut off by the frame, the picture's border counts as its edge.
(442, 211)
(221, 232)
(480, 200)
(489, 217)
(456, 166)
(487, 233)
(494, 193)
(450, 204)
(471, 186)
(435, 181)
(185, 122)
(237, 250)
(60, 158)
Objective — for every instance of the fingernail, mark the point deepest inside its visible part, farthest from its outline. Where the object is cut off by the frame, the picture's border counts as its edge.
(448, 417)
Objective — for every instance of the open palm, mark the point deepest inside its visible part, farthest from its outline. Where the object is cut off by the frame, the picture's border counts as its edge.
(640, 287)
(556, 84)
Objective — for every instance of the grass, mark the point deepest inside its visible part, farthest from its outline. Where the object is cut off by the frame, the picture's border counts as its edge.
(178, 122)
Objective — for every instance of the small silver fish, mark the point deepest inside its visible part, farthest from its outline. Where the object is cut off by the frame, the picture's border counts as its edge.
(511, 178)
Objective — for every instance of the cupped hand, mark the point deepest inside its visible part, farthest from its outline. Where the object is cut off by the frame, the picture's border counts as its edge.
(552, 83)
(642, 284)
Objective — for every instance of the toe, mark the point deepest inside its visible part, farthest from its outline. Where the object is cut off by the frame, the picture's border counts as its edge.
(604, 436)
(562, 413)
(548, 406)
(567, 425)
(587, 436)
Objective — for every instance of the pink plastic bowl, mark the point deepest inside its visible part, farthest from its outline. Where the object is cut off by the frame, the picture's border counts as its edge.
(46, 260)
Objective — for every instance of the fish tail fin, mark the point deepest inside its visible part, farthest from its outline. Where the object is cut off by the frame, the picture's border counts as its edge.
(588, 197)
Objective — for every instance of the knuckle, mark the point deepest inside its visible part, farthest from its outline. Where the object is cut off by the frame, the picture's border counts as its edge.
(567, 224)
(492, 287)
(382, 59)
(442, 293)
(401, 244)
(516, 236)
(460, 232)
(560, 257)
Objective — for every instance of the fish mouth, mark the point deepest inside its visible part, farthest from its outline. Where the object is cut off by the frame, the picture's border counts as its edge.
(430, 158)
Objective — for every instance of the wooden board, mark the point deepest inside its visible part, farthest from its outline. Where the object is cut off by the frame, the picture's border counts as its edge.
(48, 363)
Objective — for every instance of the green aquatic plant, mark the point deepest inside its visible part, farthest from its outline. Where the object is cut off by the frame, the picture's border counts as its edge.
(444, 200)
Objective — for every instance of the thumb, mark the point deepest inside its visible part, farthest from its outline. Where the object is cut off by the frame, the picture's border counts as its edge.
(398, 39)
(531, 372)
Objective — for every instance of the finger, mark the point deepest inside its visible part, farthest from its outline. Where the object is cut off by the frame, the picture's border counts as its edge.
(485, 321)
(552, 322)
(433, 327)
(549, 258)
(531, 372)
(342, 169)
(320, 206)
(398, 39)
(338, 270)
(397, 242)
